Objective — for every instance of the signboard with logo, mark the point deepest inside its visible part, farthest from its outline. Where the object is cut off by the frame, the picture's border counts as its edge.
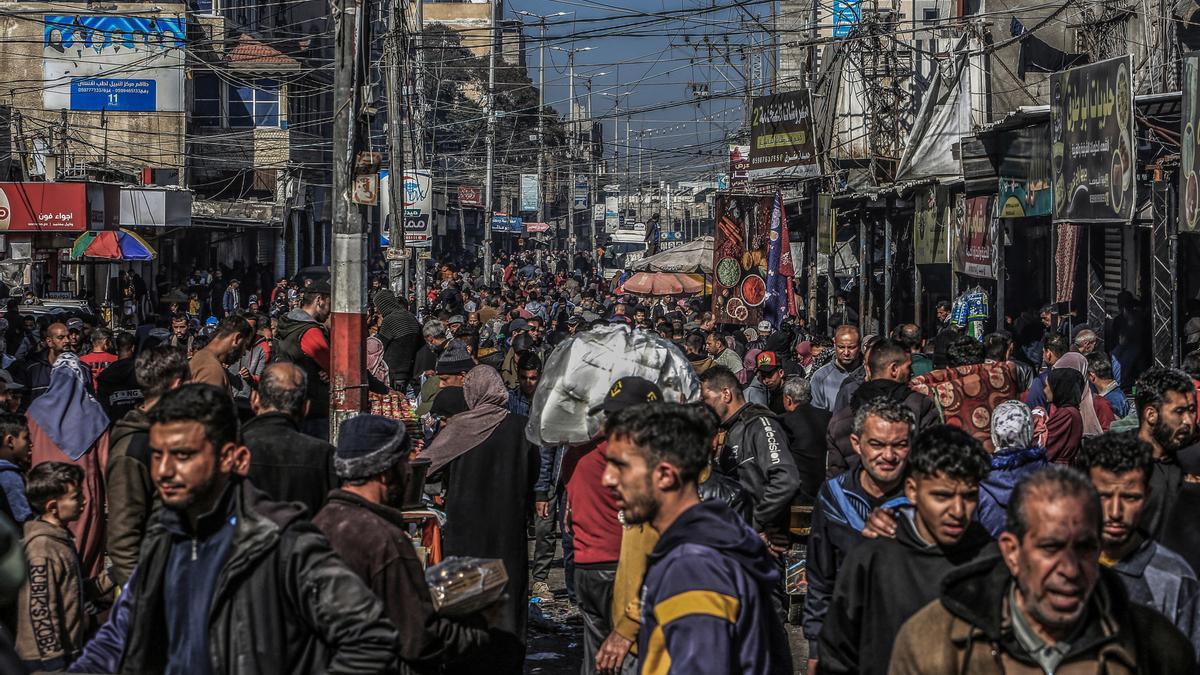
(503, 222)
(612, 215)
(1189, 157)
(470, 196)
(1025, 173)
(529, 192)
(113, 63)
(43, 207)
(580, 200)
(931, 225)
(418, 208)
(781, 145)
(976, 239)
(846, 15)
(1093, 152)
(598, 211)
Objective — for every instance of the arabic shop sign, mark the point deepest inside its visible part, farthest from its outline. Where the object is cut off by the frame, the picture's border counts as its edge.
(1092, 152)
(781, 138)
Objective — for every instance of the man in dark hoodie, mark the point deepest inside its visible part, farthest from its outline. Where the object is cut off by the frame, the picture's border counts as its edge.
(885, 581)
(130, 491)
(400, 333)
(1046, 605)
(888, 368)
(707, 596)
(303, 339)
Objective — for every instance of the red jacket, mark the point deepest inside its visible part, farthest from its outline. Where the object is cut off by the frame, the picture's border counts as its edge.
(591, 507)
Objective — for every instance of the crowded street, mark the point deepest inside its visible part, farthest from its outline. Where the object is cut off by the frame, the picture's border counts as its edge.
(544, 337)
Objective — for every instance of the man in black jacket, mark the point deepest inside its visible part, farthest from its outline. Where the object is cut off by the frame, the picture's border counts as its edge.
(288, 465)
(756, 451)
(805, 427)
(229, 582)
(366, 528)
(885, 581)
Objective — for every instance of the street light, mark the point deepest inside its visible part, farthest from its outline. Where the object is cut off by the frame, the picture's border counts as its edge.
(574, 134)
(541, 170)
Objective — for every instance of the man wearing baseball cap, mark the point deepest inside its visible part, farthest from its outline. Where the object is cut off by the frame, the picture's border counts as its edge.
(766, 389)
(365, 527)
(595, 520)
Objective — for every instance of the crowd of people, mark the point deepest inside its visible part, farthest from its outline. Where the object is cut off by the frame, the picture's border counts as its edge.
(172, 501)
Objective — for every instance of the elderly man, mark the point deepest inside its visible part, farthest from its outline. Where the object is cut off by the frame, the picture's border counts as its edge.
(1086, 342)
(1046, 604)
(805, 428)
(828, 379)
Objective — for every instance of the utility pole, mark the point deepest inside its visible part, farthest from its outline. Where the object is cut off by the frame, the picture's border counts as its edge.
(347, 379)
(571, 150)
(491, 145)
(395, 46)
(541, 133)
(419, 159)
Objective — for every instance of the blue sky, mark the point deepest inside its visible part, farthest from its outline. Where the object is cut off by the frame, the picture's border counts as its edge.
(651, 53)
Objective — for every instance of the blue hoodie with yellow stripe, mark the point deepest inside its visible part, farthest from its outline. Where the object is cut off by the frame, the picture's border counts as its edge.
(706, 603)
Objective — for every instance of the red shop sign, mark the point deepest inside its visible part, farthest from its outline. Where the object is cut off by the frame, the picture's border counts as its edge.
(43, 207)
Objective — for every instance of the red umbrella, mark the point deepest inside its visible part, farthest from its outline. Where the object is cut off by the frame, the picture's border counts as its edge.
(662, 283)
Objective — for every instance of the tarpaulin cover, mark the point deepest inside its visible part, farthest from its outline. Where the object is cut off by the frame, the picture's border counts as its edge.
(944, 118)
(581, 369)
(695, 256)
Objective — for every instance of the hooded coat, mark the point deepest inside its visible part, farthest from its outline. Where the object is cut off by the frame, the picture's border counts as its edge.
(968, 629)
(489, 490)
(880, 585)
(131, 492)
(707, 599)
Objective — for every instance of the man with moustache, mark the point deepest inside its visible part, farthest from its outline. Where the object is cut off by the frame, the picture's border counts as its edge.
(227, 581)
(1166, 407)
(1046, 605)
(1118, 465)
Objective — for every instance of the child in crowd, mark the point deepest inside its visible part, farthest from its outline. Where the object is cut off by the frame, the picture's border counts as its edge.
(14, 462)
(52, 620)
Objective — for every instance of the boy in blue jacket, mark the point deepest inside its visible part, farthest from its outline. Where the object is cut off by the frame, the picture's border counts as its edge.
(706, 602)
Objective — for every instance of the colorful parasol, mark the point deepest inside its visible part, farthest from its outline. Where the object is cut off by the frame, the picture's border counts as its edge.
(112, 245)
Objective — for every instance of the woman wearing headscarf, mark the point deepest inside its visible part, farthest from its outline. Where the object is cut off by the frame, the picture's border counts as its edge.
(489, 470)
(1016, 455)
(1096, 411)
(1064, 425)
(67, 424)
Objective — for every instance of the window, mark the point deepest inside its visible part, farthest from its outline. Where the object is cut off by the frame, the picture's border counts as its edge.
(929, 15)
(206, 100)
(254, 104)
